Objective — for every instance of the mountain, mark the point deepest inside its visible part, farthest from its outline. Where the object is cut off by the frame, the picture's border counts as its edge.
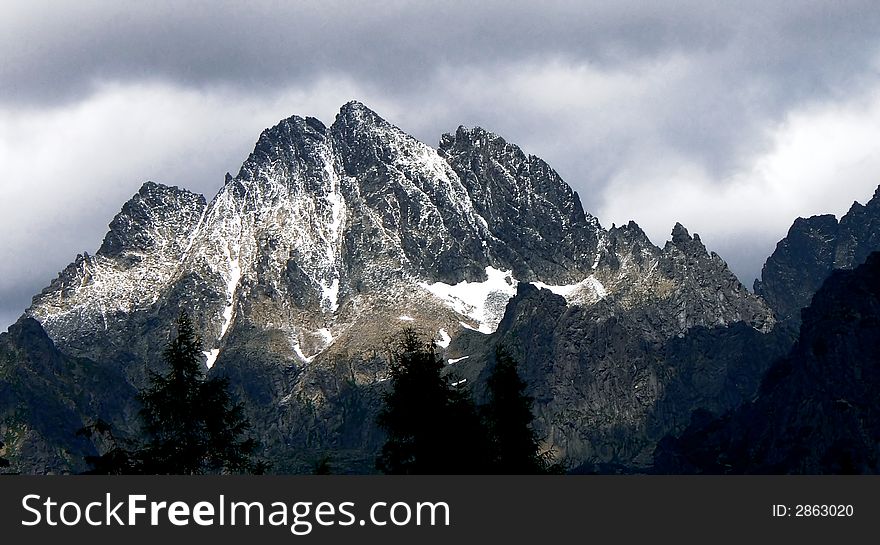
(813, 248)
(817, 408)
(331, 238)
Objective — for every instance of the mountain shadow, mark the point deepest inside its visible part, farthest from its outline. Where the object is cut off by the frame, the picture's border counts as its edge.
(816, 411)
(45, 396)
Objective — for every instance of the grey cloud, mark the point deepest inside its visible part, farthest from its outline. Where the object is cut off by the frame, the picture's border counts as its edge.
(696, 81)
(752, 61)
(57, 52)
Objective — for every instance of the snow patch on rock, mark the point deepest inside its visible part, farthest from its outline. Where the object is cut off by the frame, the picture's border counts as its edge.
(231, 286)
(483, 302)
(294, 344)
(211, 357)
(444, 340)
(590, 289)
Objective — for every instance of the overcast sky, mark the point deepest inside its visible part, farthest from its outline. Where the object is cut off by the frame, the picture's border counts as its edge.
(733, 119)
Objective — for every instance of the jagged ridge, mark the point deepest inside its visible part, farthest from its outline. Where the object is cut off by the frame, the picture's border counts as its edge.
(813, 248)
(330, 237)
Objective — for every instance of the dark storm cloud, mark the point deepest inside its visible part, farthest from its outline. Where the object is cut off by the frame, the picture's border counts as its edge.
(57, 51)
(753, 60)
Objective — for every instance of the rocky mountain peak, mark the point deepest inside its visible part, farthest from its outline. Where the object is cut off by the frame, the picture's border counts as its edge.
(357, 120)
(816, 410)
(537, 223)
(484, 153)
(150, 220)
(319, 216)
(27, 331)
(630, 230)
(680, 234)
(627, 244)
(691, 246)
(813, 248)
(283, 146)
(354, 109)
(140, 254)
(479, 140)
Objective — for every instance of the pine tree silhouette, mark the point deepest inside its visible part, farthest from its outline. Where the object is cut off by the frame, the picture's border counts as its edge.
(192, 425)
(508, 415)
(432, 428)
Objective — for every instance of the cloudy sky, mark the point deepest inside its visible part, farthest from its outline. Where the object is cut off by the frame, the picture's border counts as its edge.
(733, 119)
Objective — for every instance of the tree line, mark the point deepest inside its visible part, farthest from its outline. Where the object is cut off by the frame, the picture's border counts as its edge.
(190, 424)
(434, 427)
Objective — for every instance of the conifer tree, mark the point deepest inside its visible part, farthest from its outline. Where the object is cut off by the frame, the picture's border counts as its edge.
(190, 421)
(432, 428)
(508, 415)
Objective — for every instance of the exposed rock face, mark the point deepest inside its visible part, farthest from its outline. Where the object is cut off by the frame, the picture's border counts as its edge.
(817, 409)
(536, 223)
(812, 249)
(330, 238)
(611, 378)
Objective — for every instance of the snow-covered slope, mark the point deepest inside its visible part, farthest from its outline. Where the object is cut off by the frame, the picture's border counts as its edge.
(138, 259)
